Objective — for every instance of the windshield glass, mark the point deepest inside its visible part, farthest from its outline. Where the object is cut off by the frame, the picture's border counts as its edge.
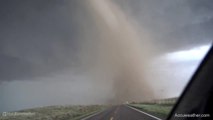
(70, 59)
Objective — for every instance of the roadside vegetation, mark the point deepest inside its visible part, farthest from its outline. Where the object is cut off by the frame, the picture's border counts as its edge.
(158, 108)
(53, 113)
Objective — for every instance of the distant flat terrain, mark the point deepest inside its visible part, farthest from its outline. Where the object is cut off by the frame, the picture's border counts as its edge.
(153, 110)
(52, 113)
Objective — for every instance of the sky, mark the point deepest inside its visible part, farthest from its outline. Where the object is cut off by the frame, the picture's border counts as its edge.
(65, 51)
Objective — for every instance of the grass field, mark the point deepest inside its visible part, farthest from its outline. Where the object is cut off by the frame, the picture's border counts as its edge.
(53, 113)
(158, 110)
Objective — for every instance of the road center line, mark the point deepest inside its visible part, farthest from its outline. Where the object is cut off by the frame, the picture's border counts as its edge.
(111, 118)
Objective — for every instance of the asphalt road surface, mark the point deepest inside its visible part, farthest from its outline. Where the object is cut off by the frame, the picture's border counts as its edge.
(122, 112)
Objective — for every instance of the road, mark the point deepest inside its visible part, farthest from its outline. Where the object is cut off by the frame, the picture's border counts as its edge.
(122, 112)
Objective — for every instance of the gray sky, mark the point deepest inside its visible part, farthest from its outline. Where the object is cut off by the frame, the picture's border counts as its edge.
(46, 48)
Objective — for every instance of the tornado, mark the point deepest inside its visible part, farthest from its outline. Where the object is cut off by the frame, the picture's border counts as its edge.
(120, 57)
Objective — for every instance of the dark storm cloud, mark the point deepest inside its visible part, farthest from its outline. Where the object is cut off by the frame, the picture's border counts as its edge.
(174, 24)
(38, 37)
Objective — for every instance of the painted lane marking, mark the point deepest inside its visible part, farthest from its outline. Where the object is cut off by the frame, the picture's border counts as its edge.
(92, 115)
(144, 112)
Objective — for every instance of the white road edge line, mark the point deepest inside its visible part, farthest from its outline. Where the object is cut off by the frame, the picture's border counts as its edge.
(143, 112)
(92, 115)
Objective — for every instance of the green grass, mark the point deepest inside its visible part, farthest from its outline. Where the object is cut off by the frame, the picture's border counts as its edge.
(158, 110)
(55, 113)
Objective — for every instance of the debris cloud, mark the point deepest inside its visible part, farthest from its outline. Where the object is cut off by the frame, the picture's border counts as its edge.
(120, 52)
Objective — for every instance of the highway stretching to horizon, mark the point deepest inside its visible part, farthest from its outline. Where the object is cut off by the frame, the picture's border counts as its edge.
(121, 112)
